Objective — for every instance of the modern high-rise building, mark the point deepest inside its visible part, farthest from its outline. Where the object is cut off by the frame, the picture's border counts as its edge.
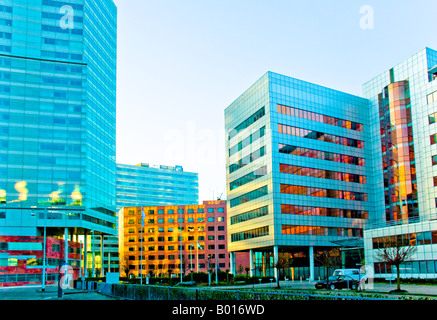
(299, 178)
(403, 113)
(58, 117)
(175, 239)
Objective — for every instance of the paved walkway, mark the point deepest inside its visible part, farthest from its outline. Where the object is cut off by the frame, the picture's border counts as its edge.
(427, 290)
(51, 293)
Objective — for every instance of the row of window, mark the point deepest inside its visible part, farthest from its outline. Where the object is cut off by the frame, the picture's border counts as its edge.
(248, 122)
(409, 267)
(258, 173)
(178, 211)
(298, 113)
(162, 239)
(249, 140)
(253, 214)
(247, 160)
(177, 267)
(250, 234)
(180, 220)
(413, 239)
(173, 248)
(321, 231)
(320, 173)
(322, 155)
(174, 257)
(323, 212)
(189, 229)
(322, 192)
(320, 136)
(255, 194)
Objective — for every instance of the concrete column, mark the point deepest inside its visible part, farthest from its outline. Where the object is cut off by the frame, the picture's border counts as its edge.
(102, 273)
(94, 255)
(85, 251)
(251, 262)
(66, 246)
(275, 259)
(311, 256)
(232, 261)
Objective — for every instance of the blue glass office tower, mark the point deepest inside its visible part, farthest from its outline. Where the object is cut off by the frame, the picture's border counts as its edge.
(145, 185)
(58, 116)
(298, 173)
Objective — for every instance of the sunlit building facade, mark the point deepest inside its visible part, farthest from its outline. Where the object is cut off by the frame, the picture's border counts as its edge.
(174, 239)
(145, 185)
(57, 117)
(298, 174)
(403, 113)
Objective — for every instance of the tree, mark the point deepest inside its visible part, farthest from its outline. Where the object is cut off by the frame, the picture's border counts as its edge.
(247, 271)
(329, 259)
(284, 261)
(395, 252)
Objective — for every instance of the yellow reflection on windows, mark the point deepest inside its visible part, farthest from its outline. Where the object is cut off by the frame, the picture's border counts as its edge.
(21, 188)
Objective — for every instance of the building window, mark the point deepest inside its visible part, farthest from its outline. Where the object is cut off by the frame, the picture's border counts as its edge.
(323, 212)
(299, 113)
(247, 160)
(320, 136)
(210, 210)
(253, 214)
(322, 174)
(250, 234)
(322, 155)
(248, 122)
(324, 193)
(249, 196)
(248, 178)
(248, 141)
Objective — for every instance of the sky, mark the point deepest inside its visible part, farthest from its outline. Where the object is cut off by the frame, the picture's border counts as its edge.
(181, 63)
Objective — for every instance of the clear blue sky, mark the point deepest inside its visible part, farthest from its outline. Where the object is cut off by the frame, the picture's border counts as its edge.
(182, 62)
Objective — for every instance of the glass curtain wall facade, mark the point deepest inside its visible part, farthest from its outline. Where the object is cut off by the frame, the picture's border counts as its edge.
(403, 112)
(145, 185)
(58, 111)
(304, 185)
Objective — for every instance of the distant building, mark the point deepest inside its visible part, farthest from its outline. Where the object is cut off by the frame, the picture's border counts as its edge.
(197, 232)
(146, 185)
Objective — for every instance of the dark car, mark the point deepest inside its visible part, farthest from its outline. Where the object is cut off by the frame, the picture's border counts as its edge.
(338, 282)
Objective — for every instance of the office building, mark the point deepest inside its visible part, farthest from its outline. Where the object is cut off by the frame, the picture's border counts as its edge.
(299, 179)
(57, 119)
(145, 185)
(403, 113)
(152, 185)
(168, 240)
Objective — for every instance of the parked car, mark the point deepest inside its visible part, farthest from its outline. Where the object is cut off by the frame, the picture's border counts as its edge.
(338, 282)
(353, 273)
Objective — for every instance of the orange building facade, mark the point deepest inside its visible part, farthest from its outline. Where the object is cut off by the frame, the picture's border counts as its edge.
(165, 233)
